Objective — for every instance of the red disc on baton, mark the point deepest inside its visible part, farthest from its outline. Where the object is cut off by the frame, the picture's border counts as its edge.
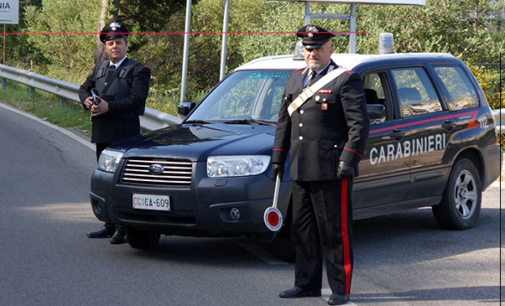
(273, 219)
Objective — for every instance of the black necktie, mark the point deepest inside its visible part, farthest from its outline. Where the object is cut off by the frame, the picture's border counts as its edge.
(312, 76)
(112, 67)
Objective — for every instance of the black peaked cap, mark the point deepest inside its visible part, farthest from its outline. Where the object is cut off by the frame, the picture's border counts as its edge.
(313, 36)
(113, 30)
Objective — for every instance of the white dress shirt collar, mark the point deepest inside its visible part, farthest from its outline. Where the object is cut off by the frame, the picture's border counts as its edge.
(118, 63)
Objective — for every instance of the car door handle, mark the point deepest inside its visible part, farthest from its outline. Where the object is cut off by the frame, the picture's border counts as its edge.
(397, 134)
(448, 125)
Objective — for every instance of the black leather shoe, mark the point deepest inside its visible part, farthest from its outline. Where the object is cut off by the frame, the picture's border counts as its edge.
(103, 232)
(119, 237)
(297, 292)
(338, 299)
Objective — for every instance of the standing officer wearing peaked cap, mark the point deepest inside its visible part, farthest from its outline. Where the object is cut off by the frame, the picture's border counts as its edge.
(122, 86)
(326, 136)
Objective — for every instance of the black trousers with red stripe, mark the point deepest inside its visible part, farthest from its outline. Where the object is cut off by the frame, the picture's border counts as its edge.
(322, 223)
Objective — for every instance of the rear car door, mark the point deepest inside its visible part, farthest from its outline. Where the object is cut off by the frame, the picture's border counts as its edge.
(431, 128)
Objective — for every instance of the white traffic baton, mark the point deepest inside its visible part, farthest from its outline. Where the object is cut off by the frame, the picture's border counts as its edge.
(273, 217)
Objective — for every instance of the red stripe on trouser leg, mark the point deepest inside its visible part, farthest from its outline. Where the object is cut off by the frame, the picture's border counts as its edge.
(345, 237)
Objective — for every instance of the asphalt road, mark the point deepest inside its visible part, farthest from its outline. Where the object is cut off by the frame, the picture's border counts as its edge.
(46, 259)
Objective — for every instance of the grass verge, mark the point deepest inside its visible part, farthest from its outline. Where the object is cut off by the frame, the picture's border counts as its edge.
(47, 107)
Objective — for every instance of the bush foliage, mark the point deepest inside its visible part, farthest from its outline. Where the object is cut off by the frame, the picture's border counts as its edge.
(468, 29)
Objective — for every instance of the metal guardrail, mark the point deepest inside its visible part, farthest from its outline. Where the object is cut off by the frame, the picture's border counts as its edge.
(151, 120)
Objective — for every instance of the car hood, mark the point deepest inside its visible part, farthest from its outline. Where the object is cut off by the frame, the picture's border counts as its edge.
(197, 142)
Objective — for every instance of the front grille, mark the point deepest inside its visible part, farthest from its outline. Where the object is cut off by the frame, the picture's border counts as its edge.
(176, 172)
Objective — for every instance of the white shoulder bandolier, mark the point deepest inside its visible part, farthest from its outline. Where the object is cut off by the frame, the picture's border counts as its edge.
(308, 92)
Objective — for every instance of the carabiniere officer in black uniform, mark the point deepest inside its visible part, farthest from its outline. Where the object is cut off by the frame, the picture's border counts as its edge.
(326, 137)
(122, 86)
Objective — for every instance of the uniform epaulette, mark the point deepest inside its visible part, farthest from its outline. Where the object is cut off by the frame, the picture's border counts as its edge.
(297, 70)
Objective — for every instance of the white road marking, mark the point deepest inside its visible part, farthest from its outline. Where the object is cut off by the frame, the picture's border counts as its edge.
(69, 134)
(261, 254)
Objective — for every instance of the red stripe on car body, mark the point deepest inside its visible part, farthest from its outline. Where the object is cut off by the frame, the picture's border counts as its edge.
(471, 124)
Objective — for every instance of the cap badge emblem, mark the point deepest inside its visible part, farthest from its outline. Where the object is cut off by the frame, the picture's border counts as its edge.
(311, 29)
(311, 35)
(114, 26)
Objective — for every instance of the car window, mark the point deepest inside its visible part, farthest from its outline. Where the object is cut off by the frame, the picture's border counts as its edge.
(372, 81)
(462, 93)
(416, 92)
(245, 95)
(374, 84)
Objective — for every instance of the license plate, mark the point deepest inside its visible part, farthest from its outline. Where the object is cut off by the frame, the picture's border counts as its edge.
(151, 202)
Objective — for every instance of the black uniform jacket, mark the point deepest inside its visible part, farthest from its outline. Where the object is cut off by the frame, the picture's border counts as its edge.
(331, 126)
(122, 120)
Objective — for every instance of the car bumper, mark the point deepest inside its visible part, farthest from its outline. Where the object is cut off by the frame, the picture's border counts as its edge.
(202, 209)
(493, 165)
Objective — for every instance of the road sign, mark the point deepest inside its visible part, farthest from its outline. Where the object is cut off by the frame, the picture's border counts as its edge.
(9, 11)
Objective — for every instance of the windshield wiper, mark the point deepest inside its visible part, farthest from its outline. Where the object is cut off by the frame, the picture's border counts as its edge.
(266, 122)
(250, 121)
(241, 121)
(197, 122)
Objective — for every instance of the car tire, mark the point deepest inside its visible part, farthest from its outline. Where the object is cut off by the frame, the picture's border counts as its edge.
(139, 239)
(462, 197)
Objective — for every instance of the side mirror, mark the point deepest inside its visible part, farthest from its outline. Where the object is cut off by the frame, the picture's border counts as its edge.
(185, 108)
(376, 113)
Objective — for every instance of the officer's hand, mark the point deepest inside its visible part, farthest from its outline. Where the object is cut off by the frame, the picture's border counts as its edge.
(101, 108)
(277, 169)
(345, 171)
(88, 102)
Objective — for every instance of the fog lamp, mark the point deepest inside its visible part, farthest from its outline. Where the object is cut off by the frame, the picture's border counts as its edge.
(235, 213)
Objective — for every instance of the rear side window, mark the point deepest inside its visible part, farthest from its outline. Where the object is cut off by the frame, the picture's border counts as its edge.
(462, 93)
(416, 92)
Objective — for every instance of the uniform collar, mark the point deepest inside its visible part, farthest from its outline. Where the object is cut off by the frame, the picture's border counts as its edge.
(118, 63)
(330, 63)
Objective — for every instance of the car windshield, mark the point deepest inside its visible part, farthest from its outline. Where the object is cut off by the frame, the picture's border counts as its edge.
(244, 97)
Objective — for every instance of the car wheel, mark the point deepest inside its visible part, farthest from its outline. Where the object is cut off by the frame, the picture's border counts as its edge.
(461, 201)
(139, 239)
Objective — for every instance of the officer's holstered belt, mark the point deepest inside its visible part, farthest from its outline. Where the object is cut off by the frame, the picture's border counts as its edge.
(308, 92)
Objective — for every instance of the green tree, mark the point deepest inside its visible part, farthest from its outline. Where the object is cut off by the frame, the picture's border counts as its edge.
(19, 51)
(70, 56)
(464, 28)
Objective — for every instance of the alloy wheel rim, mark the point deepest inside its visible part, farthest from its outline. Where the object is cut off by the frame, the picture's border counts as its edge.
(465, 194)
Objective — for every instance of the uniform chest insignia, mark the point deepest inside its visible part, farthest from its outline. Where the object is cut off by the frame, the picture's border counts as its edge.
(326, 91)
(324, 106)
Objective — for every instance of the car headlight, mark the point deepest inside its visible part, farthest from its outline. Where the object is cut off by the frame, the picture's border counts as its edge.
(109, 160)
(239, 165)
